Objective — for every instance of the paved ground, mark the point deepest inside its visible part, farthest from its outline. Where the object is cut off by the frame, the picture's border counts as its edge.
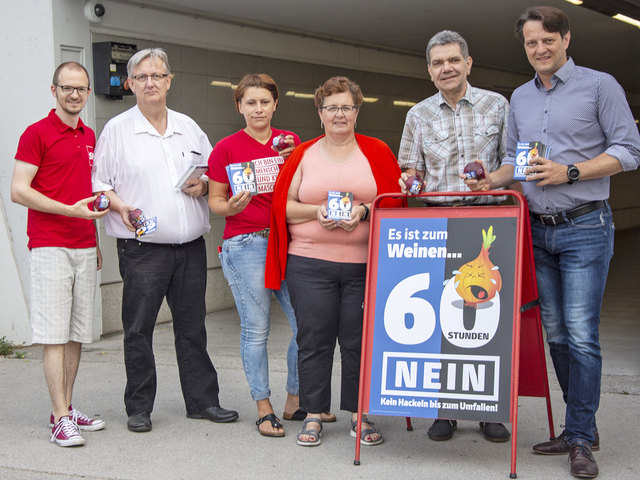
(180, 448)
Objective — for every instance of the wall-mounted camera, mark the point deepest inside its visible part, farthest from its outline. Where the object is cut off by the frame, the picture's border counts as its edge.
(94, 11)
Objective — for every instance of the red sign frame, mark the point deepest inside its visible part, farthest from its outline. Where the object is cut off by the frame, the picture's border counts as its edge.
(527, 360)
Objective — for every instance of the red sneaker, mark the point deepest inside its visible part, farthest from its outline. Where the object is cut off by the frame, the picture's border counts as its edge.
(65, 433)
(82, 421)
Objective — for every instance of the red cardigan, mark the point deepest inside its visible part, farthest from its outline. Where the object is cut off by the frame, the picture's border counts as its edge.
(386, 172)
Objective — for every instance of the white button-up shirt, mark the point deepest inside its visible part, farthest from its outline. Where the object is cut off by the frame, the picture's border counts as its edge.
(142, 167)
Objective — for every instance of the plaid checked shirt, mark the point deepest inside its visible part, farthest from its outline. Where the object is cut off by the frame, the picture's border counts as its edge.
(440, 141)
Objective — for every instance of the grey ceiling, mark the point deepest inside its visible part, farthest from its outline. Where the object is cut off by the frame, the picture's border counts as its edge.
(597, 41)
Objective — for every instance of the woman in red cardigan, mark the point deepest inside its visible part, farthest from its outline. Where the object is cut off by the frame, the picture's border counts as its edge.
(323, 250)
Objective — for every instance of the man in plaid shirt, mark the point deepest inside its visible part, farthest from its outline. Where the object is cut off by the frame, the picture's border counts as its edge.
(455, 126)
(443, 133)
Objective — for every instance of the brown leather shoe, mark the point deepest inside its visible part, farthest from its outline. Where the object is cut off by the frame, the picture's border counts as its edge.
(560, 446)
(583, 465)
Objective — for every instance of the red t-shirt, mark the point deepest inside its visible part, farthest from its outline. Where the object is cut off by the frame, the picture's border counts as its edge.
(64, 157)
(240, 148)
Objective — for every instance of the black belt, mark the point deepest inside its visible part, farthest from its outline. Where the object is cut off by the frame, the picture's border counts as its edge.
(561, 217)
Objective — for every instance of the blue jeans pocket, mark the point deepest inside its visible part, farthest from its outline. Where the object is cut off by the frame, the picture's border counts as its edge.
(591, 220)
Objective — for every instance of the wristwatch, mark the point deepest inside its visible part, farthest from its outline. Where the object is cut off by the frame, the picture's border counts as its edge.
(573, 174)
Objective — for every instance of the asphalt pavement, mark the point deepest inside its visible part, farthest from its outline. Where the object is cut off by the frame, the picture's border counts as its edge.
(182, 448)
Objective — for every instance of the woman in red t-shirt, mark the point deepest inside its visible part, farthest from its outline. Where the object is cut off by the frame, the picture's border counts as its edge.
(242, 171)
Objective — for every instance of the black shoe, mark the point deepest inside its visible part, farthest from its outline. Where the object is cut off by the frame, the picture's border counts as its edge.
(215, 414)
(442, 430)
(139, 422)
(495, 432)
(560, 446)
(583, 465)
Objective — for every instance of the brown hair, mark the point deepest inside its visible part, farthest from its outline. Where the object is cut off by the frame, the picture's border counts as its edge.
(70, 66)
(338, 85)
(553, 20)
(258, 80)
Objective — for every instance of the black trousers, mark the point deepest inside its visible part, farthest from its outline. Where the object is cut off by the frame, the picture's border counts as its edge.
(150, 273)
(328, 301)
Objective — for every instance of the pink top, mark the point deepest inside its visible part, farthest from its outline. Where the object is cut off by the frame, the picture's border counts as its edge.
(319, 175)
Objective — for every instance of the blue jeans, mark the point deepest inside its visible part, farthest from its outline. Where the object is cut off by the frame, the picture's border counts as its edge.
(572, 263)
(243, 262)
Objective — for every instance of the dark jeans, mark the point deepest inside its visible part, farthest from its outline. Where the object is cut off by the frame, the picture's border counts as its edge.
(327, 298)
(179, 272)
(572, 262)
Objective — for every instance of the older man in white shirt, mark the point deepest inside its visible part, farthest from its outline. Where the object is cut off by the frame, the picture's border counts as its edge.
(140, 156)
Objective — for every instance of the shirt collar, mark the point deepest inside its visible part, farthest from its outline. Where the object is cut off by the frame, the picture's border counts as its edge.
(563, 74)
(467, 97)
(142, 125)
(60, 125)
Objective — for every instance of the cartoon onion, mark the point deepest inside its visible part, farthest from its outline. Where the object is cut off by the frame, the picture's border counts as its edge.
(477, 281)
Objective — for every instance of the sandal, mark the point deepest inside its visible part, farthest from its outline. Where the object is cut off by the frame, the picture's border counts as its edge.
(365, 432)
(314, 435)
(275, 423)
(299, 415)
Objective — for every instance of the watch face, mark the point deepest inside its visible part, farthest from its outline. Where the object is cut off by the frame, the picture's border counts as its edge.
(573, 173)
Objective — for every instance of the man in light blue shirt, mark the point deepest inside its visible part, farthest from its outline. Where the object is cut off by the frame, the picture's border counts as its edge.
(583, 117)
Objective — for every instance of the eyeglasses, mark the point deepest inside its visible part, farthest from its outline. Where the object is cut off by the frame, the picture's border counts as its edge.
(155, 77)
(345, 109)
(68, 89)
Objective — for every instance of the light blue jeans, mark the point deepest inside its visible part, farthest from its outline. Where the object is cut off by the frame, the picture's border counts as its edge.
(572, 263)
(243, 261)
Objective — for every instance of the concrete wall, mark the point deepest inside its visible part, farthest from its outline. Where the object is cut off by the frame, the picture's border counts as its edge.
(38, 34)
(27, 59)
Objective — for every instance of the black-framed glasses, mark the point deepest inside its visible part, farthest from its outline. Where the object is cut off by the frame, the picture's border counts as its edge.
(155, 77)
(68, 89)
(345, 109)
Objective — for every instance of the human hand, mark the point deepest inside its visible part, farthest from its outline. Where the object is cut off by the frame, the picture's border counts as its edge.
(476, 185)
(351, 224)
(196, 187)
(404, 177)
(124, 215)
(326, 223)
(546, 172)
(238, 202)
(287, 151)
(84, 209)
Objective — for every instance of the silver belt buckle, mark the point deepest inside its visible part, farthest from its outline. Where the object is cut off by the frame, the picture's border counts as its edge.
(548, 219)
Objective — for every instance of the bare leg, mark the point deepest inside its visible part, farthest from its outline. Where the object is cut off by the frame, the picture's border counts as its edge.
(292, 403)
(60, 369)
(72, 352)
(54, 372)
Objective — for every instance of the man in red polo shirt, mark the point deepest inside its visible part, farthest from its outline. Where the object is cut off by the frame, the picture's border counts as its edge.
(52, 177)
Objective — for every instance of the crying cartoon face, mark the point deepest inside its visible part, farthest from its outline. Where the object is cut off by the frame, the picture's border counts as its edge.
(479, 280)
(247, 174)
(345, 203)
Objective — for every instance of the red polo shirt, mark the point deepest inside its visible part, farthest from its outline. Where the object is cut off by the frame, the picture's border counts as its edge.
(64, 157)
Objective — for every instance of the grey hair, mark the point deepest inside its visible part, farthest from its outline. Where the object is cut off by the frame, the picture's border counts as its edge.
(140, 55)
(446, 37)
